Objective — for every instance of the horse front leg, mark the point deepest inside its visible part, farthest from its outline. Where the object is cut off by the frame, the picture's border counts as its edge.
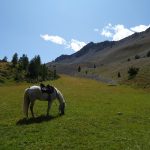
(31, 108)
(62, 108)
(49, 106)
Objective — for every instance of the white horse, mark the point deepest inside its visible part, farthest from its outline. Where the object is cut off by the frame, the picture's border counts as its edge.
(35, 93)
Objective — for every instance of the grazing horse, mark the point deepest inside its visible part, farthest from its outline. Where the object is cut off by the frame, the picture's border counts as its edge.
(35, 93)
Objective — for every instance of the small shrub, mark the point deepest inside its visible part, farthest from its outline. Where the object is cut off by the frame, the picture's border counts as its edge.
(86, 72)
(119, 75)
(79, 69)
(148, 54)
(137, 57)
(129, 59)
(133, 71)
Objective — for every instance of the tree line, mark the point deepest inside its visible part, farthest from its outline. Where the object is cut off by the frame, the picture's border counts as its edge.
(32, 71)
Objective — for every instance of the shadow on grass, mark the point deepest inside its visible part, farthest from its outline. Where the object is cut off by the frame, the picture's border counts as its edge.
(42, 118)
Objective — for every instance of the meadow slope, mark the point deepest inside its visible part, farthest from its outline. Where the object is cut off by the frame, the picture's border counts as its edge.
(98, 116)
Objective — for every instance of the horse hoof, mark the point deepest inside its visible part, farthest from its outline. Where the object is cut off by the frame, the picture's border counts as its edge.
(61, 114)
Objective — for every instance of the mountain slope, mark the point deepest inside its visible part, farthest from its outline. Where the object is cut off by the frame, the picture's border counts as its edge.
(110, 57)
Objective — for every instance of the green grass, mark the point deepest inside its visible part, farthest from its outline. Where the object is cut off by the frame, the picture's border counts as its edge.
(97, 116)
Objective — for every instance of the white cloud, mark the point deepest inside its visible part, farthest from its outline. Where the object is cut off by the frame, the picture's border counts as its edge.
(140, 28)
(118, 32)
(54, 38)
(106, 33)
(73, 44)
(121, 32)
(76, 45)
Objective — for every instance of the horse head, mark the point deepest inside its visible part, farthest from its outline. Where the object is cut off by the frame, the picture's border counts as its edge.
(62, 108)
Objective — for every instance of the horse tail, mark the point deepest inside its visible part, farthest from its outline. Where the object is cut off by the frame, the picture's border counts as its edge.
(26, 102)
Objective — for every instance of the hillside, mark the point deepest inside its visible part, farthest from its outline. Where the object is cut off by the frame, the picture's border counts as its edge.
(5, 72)
(110, 57)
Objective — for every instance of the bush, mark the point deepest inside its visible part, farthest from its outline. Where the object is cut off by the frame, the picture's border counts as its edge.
(86, 72)
(79, 69)
(119, 75)
(133, 71)
(148, 54)
(129, 59)
(137, 57)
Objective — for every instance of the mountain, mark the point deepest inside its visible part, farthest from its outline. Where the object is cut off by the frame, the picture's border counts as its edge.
(86, 50)
(90, 47)
(109, 58)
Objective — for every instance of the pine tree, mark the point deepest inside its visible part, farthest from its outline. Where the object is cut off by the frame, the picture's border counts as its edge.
(4, 59)
(31, 70)
(34, 68)
(24, 62)
(37, 60)
(15, 59)
(79, 69)
(44, 72)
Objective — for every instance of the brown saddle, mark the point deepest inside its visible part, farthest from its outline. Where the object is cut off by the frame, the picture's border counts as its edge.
(47, 89)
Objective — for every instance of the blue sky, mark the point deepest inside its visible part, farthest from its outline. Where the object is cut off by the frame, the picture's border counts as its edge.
(54, 27)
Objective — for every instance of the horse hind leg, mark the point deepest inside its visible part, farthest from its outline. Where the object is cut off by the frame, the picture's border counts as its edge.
(31, 109)
(49, 107)
(26, 104)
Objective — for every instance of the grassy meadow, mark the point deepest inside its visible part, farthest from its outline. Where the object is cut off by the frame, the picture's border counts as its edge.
(98, 116)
